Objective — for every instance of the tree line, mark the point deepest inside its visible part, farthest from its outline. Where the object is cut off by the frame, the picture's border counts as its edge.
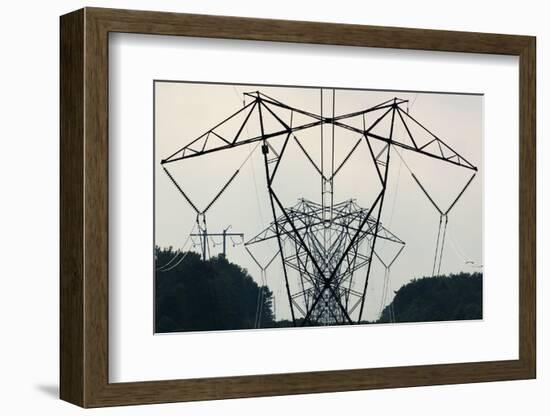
(196, 295)
(455, 297)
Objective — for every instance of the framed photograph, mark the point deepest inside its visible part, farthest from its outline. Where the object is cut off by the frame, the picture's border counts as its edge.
(256, 207)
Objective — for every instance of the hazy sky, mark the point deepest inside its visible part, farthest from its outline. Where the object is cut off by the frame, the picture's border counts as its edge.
(183, 111)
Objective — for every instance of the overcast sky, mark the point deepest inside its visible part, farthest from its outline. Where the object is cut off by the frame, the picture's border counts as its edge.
(183, 111)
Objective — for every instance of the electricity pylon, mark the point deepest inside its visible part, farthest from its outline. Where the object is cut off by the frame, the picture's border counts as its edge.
(327, 248)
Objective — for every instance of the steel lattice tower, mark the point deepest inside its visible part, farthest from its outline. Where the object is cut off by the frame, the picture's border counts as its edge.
(327, 248)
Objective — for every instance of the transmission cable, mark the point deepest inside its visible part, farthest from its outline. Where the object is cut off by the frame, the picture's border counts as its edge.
(443, 216)
(176, 265)
(160, 268)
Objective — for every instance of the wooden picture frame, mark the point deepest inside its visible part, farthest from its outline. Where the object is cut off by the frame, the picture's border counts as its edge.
(84, 207)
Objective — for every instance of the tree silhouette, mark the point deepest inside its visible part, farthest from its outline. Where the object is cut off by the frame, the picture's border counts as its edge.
(442, 298)
(196, 295)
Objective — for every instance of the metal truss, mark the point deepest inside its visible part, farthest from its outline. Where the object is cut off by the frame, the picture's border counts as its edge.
(306, 251)
(327, 248)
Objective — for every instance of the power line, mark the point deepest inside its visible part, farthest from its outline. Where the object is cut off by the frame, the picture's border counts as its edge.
(204, 235)
(327, 268)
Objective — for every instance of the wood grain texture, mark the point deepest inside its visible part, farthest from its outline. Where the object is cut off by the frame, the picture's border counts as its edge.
(527, 208)
(84, 204)
(71, 213)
